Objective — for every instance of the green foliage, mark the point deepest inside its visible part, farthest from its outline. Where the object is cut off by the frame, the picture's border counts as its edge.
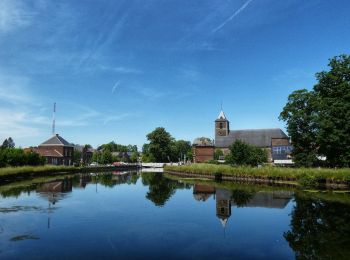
(114, 147)
(77, 157)
(162, 147)
(180, 149)
(17, 157)
(300, 175)
(244, 154)
(32, 170)
(160, 144)
(106, 157)
(8, 143)
(318, 121)
(218, 153)
(134, 157)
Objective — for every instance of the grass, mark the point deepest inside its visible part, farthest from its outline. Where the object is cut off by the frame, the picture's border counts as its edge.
(11, 171)
(301, 175)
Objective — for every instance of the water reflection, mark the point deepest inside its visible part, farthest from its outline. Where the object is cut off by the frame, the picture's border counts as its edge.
(319, 229)
(313, 227)
(161, 189)
(225, 199)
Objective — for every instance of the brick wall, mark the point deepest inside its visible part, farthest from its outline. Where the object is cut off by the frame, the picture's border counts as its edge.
(203, 153)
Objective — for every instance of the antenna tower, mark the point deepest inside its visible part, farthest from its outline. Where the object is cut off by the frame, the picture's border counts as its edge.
(54, 119)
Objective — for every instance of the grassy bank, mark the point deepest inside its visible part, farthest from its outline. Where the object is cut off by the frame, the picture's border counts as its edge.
(11, 171)
(303, 176)
(14, 173)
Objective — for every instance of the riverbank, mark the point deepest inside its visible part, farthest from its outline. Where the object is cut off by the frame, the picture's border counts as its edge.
(308, 177)
(13, 173)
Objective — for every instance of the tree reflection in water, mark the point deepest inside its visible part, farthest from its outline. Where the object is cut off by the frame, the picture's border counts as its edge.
(241, 197)
(160, 188)
(319, 229)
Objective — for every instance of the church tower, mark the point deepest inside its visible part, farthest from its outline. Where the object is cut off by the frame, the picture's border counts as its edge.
(222, 125)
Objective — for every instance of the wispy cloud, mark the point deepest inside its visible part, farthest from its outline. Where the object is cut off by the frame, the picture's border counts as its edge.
(115, 86)
(237, 12)
(13, 89)
(148, 93)
(12, 124)
(113, 118)
(121, 69)
(14, 14)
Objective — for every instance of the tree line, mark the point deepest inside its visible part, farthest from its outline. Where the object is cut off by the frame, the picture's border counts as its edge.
(113, 152)
(11, 156)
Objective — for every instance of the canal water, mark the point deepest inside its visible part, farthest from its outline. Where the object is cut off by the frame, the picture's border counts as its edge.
(129, 215)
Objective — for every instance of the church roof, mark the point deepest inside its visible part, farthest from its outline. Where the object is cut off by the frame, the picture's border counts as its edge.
(56, 140)
(256, 137)
(222, 115)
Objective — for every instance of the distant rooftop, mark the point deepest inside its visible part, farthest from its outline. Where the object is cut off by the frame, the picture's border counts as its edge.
(56, 140)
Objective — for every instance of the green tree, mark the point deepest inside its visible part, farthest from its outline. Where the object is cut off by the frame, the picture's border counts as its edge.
(180, 148)
(77, 157)
(8, 143)
(106, 157)
(218, 153)
(333, 92)
(301, 117)
(242, 153)
(318, 121)
(96, 157)
(160, 145)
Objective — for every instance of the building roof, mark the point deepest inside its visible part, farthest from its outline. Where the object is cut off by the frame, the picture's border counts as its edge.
(256, 137)
(50, 153)
(222, 115)
(56, 140)
(280, 142)
(202, 141)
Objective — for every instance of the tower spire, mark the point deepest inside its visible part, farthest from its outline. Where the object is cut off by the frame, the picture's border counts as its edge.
(54, 119)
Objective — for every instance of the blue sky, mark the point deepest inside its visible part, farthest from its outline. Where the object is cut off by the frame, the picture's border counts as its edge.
(119, 69)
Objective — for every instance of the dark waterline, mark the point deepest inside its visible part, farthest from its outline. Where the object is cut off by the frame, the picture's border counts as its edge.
(133, 215)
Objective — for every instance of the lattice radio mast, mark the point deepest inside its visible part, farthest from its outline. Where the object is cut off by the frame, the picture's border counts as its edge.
(54, 119)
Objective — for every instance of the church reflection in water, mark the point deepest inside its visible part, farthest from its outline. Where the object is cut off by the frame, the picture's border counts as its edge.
(225, 199)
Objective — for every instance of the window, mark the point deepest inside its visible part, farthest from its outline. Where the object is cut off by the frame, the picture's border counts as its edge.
(221, 125)
(281, 149)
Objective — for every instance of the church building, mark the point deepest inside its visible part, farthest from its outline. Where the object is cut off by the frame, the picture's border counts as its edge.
(274, 140)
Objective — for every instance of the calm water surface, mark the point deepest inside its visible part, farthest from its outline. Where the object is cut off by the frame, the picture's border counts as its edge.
(133, 215)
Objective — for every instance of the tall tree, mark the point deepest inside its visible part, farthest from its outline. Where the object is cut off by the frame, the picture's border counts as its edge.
(333, 91)
(160, 144)
(301, 117)
(318, 121)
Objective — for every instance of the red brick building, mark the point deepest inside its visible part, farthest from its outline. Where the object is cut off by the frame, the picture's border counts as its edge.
(203, 150)
(57, 151)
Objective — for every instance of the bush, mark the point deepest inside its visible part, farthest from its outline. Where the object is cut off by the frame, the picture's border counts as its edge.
(244, 154)
(17, 157)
